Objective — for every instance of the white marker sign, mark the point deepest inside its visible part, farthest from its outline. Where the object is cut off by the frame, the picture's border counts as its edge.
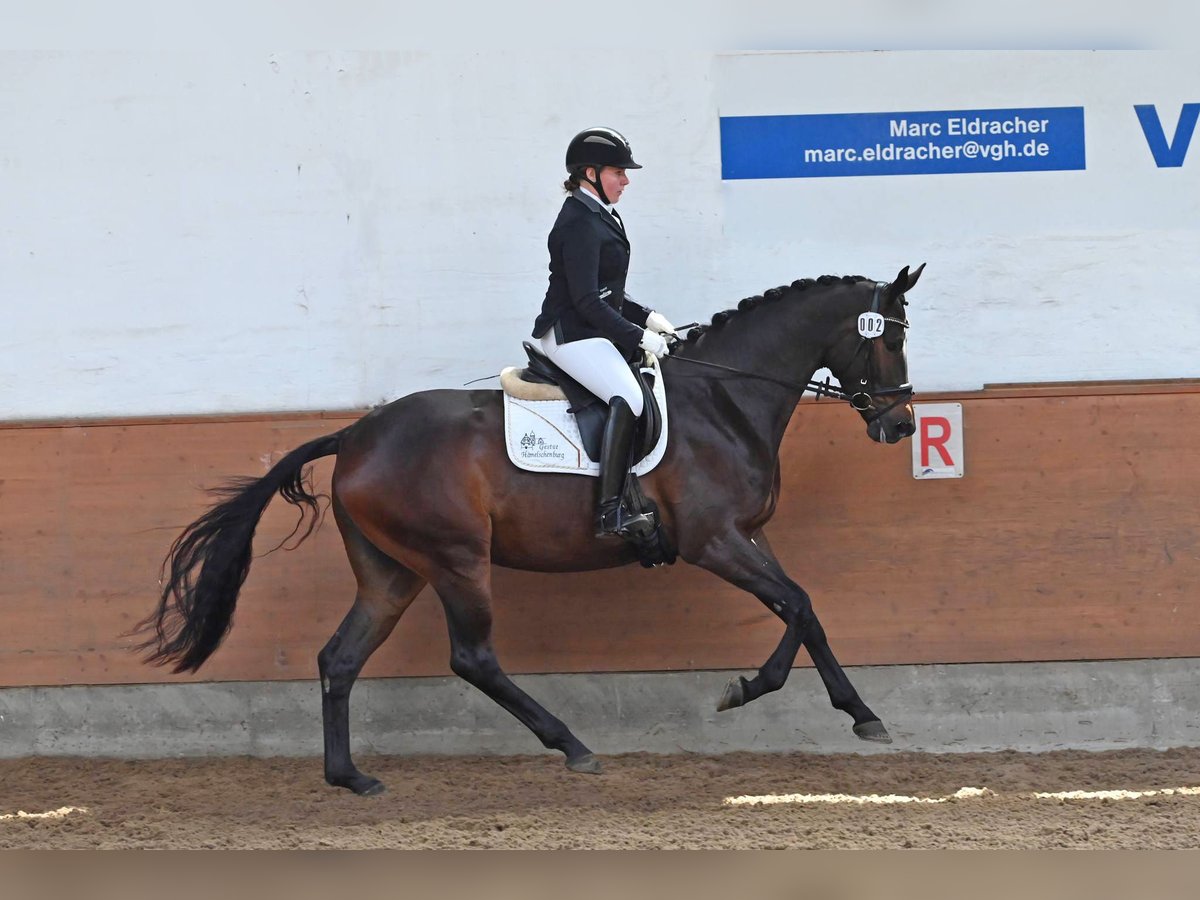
(937, 447)
(870, 324)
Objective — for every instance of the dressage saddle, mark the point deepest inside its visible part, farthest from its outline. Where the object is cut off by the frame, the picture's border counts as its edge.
(591, 412)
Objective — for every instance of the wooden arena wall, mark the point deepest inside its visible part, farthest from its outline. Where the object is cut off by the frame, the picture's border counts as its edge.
(1072, 536)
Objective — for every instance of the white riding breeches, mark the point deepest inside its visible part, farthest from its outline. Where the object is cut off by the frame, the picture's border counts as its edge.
(598, 366)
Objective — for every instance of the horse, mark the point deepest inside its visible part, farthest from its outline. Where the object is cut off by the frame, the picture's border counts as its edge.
(423, 493)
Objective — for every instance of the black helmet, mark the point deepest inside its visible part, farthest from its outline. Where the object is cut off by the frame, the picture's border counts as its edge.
(600, 147)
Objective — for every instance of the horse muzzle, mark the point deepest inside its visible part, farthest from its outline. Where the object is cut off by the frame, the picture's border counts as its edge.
(893, 426)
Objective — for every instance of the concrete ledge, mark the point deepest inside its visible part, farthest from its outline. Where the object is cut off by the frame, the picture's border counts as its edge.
(960, 708)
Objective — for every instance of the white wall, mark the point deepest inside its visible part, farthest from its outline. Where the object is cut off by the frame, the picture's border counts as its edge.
(198, 232)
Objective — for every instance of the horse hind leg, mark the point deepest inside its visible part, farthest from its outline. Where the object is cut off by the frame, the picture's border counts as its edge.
(465, 591)
(385, 590)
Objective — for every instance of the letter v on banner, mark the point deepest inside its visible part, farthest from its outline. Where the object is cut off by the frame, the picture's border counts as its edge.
(937, 447)
(1172, 155)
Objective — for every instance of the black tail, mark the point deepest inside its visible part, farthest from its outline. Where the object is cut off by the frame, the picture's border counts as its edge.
(195, 610)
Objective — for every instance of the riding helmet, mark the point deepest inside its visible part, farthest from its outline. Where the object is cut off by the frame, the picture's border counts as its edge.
(600, 147)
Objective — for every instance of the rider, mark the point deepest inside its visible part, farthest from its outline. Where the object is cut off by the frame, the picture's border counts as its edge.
(589, 327)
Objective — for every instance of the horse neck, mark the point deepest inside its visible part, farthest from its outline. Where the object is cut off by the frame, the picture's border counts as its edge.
(785, 339)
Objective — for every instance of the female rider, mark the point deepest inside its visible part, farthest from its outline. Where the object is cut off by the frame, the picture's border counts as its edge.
(589, 327)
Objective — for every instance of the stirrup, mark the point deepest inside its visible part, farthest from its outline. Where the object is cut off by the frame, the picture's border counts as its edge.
(620, 522)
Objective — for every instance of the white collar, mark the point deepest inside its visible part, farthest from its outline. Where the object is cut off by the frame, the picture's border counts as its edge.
(608, 207)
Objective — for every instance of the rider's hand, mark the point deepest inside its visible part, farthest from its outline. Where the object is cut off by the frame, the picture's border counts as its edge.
(653, 342)
(657, 322)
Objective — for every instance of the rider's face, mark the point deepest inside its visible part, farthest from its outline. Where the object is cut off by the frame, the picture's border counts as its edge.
(613, 181)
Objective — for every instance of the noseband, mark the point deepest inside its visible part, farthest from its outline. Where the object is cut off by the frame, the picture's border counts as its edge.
(861, 400)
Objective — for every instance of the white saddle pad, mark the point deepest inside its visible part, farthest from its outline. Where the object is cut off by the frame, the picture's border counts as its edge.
(542, 435)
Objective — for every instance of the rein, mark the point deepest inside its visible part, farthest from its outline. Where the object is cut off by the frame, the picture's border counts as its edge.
(820, 388)
(860, 400)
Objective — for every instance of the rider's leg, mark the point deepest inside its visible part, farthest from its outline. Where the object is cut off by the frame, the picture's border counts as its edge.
(598, 366)
(612, 516)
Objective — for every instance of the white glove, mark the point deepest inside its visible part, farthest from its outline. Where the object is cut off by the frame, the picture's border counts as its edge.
(655, 343)
(658, 322)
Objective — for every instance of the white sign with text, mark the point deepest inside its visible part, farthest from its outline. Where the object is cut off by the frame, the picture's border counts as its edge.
(937, 446)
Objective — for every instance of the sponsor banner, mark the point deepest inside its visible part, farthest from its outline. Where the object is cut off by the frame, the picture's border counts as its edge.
(1036, 139)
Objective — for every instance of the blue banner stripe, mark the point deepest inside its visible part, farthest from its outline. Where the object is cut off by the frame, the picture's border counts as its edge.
(1036, 139)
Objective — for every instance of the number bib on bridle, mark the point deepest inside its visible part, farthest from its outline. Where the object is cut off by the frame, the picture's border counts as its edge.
(871, 325)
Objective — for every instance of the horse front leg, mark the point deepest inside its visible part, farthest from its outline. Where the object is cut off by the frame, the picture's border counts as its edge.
(842, 694)
(749, 563)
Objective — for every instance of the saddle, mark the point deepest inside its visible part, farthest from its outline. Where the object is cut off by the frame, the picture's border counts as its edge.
(541, 379)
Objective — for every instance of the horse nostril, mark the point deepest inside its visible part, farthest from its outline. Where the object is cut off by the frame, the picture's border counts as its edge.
(906, 429)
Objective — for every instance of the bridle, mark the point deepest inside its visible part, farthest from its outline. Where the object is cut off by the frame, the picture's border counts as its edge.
(870, 329)
(864, 398)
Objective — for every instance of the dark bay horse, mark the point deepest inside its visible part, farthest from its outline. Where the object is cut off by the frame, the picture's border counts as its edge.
(423, 493)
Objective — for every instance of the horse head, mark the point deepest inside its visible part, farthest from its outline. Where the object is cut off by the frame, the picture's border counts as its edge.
(870, 359)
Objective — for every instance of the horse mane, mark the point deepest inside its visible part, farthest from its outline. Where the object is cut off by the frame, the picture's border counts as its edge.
(771, 295)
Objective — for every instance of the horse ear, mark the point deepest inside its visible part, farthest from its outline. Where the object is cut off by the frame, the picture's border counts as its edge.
(904, 281)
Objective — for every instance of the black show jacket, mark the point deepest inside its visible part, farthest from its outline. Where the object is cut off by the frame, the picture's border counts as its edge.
(589, 261)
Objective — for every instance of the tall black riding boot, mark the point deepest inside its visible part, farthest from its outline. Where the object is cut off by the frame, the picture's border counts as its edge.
(612, 516)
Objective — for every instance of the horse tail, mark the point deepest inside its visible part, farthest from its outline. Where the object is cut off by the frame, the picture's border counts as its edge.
(207, 564)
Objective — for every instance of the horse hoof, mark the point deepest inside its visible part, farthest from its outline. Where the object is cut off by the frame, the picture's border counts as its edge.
(363, 785)
(873, 731)
(734, 696)
(586, 764)
(373, 788)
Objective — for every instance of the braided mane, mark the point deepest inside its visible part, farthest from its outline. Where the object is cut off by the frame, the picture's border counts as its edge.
(771, 295)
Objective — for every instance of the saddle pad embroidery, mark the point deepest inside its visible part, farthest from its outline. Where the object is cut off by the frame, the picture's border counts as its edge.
(542, 436)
